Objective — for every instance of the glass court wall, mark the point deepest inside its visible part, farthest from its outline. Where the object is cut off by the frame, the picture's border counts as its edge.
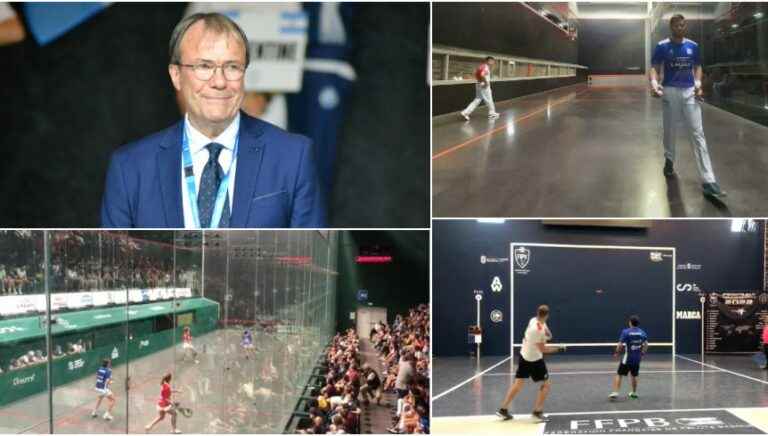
(154, 303)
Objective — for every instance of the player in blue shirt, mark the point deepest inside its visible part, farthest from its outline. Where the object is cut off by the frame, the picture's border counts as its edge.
(680, 91)
(633, 342)
(246, 343)
(103, 380)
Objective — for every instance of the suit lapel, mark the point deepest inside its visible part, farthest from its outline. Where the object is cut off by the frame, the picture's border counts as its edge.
(169, 176)
(249, 158)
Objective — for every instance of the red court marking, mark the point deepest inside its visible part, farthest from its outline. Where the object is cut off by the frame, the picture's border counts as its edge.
(504, 126)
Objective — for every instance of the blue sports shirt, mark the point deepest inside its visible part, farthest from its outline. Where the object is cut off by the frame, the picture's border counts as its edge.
(679, 60)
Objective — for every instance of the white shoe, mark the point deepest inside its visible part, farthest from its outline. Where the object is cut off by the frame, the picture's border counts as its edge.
(465, 116)
(108, 417)
(94, 414)
(177, 431)
(493, 115)
(613, 396)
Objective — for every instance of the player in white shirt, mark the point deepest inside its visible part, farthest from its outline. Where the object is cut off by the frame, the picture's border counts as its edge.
(531, 364)
(482, 90)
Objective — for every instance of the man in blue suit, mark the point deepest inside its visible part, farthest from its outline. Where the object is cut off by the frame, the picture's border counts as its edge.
(218, 167)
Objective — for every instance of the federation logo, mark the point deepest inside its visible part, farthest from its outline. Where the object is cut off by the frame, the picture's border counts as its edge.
(497, 316)
(522, 257)
(496, 285)
(483, 259)
(656, 256)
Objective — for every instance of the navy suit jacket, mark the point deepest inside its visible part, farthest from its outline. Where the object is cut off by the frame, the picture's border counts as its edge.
(276, 183)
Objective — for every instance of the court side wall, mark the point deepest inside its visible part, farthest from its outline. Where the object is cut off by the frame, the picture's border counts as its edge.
(710, 257)
(508, 28)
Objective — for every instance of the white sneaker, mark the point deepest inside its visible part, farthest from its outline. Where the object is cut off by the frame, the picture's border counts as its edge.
(108, 417)
(465, 116)
(493, 115)
(94, 414)
(177, 431)
(613, 396)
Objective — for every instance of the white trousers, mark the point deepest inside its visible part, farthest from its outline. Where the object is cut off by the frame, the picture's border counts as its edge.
(482, 93)
(681, 103)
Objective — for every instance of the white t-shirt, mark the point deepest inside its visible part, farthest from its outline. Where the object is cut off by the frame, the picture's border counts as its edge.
(6, 12)
(536, 333)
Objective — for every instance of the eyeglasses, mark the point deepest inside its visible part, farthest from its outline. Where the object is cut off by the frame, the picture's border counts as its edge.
(205, 70)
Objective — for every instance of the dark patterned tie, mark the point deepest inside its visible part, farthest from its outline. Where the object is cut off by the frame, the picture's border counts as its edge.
(209, 187)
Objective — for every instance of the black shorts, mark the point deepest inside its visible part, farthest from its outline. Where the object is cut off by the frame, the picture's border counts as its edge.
(536, 370)
(633, 368)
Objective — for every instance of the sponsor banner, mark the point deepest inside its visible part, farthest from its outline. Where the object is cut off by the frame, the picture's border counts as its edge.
(688, 314)
(688, 287)
(497, 316)
(734, 320)
(685, 422)
(496, 285)
(488, 259)
(30, 304)
(689, 267)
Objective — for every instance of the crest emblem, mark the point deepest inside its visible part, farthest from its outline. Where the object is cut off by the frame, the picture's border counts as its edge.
(522, 257)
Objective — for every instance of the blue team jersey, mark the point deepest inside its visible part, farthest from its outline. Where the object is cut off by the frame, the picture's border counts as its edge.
(102, 376)
(633, 339)
(247, 340)
(679, 61)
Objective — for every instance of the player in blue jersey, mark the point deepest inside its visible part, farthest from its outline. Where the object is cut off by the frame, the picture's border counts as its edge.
(103, 381)
(633, 343)
(680, 91)
(246, 343)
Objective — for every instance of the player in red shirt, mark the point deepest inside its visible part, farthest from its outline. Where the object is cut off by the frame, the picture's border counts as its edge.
(189, 349)
(482, 89)
(165, 405)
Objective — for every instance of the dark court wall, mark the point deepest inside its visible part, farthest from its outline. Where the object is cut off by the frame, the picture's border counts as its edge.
(709, 257)
(612, 46)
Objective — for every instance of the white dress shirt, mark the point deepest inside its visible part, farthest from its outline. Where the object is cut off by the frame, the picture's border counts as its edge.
(197, 143)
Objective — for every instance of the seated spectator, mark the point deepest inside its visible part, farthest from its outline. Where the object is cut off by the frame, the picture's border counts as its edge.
(372, 386)
(337, 425)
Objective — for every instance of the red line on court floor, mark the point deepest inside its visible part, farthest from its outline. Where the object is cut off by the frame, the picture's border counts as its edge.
(504, 126)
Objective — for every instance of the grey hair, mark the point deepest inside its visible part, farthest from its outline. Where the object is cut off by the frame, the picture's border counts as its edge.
(215, 22)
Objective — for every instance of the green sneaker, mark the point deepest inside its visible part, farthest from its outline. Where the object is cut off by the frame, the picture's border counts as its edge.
(632, 395)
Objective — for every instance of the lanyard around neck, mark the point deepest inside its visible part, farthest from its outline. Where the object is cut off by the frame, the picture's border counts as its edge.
(189, 176)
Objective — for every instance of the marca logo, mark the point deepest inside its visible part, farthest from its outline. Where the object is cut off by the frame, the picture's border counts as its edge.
(23, 380)
(688, 314)
(688, 267)
(688, 287)
(496, 285)
(76, 364)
